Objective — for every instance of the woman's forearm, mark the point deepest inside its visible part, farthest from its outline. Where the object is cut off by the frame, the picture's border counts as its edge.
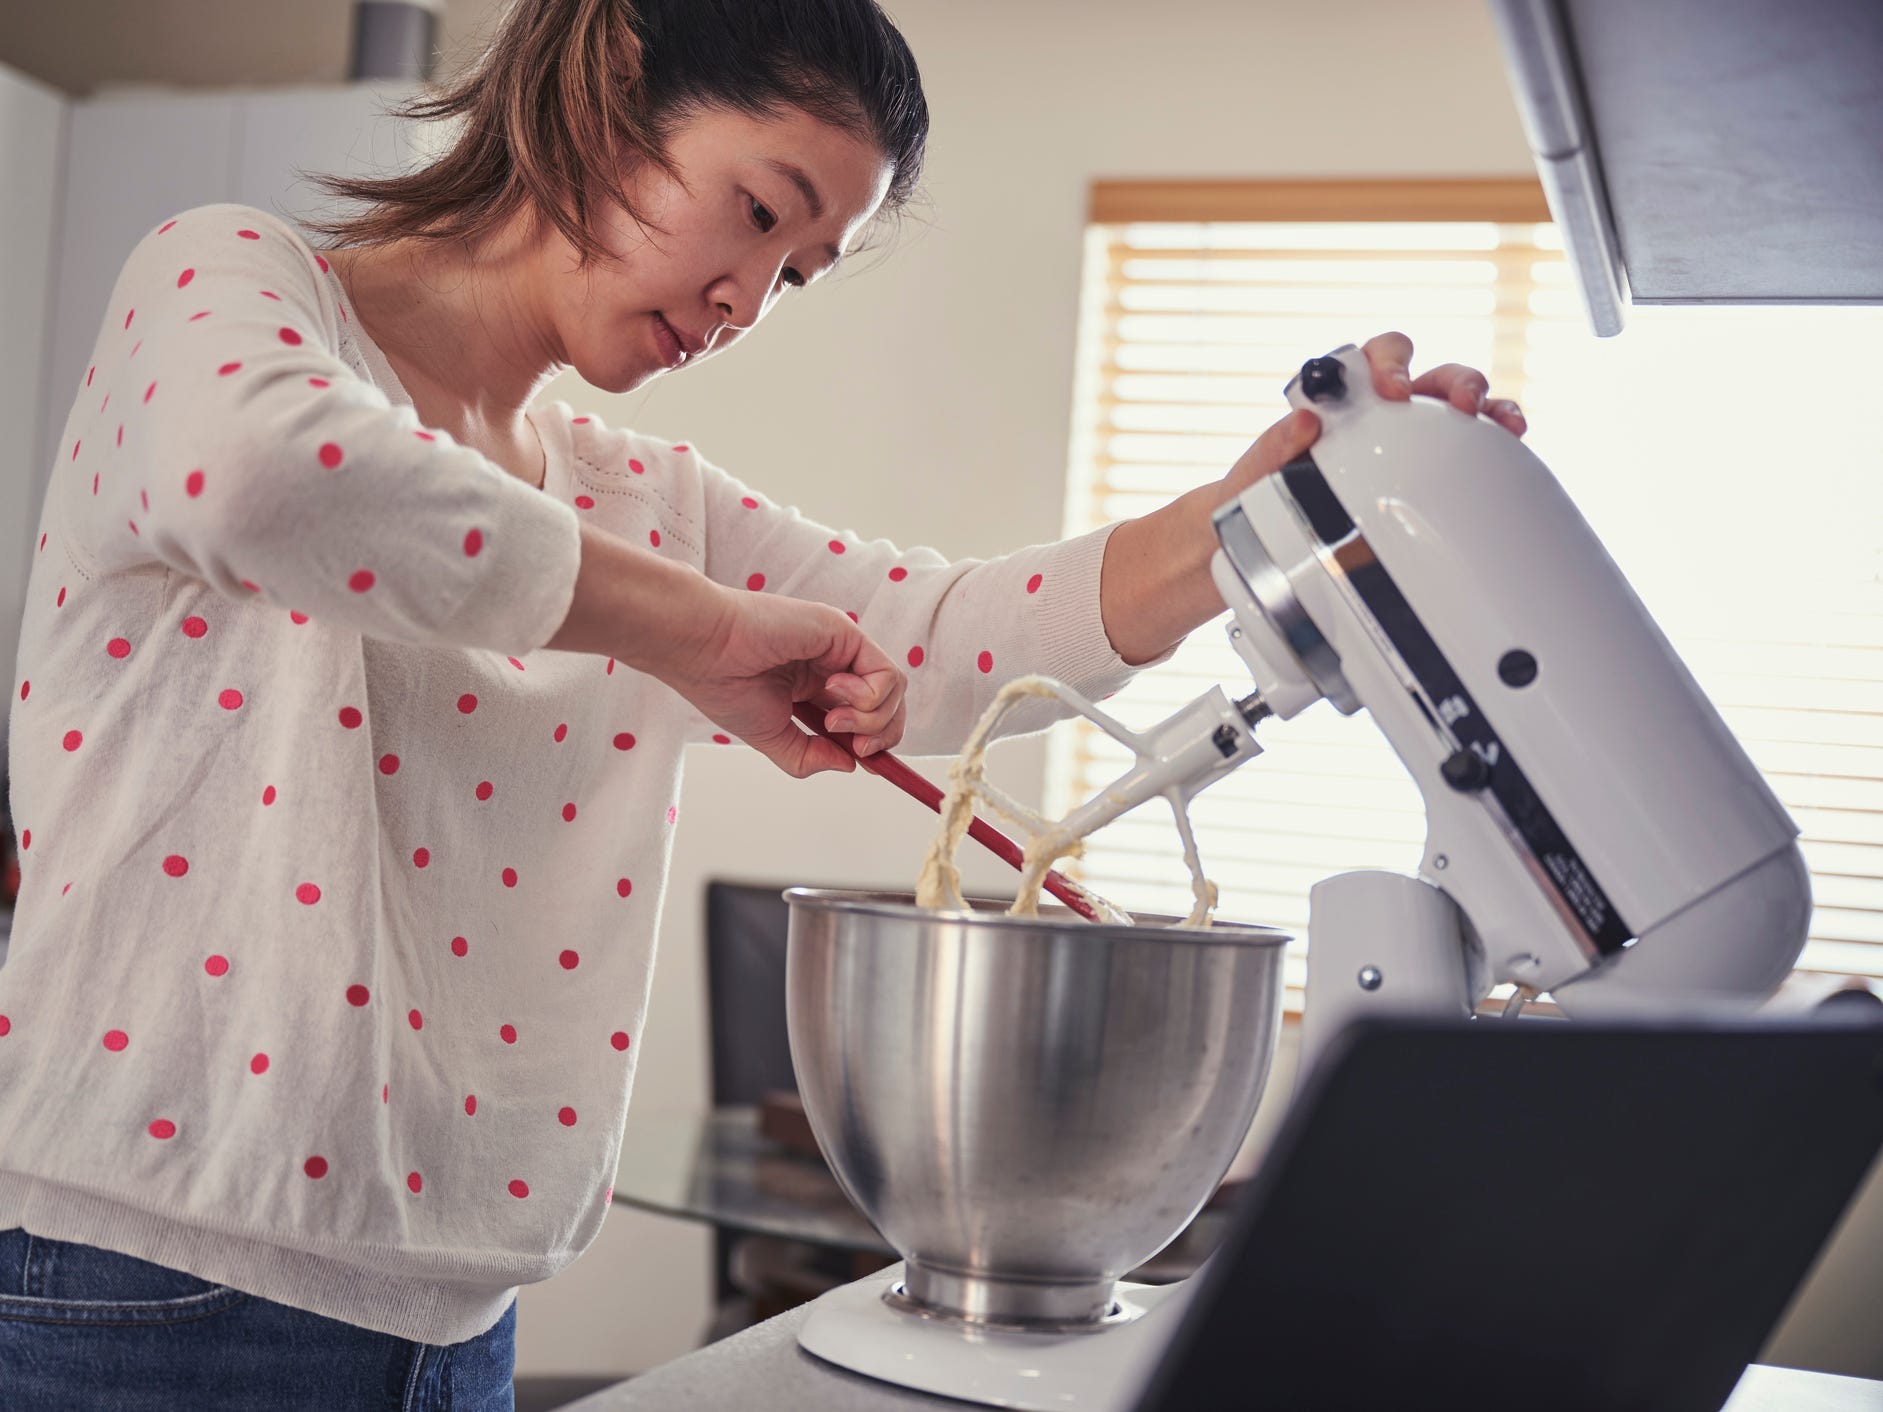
(645, 611)
(1155, 585)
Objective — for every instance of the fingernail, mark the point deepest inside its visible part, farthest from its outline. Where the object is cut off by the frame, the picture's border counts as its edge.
(1403, 379)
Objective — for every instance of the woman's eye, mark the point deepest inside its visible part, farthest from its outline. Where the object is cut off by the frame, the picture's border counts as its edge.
(762, 216)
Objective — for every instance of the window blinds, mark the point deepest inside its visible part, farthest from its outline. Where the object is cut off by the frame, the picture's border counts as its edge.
(1730, 459)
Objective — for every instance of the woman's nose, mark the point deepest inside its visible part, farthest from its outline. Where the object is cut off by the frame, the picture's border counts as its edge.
(744, 298)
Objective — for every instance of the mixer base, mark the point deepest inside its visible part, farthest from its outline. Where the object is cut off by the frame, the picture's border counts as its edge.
(1088, 1371)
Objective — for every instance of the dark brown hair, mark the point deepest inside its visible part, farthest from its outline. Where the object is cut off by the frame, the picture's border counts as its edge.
(571, 91)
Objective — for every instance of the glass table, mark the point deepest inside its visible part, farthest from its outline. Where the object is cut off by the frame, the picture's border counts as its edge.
(718, 1168)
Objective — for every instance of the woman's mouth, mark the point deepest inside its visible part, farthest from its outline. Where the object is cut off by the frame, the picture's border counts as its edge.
(672, 352)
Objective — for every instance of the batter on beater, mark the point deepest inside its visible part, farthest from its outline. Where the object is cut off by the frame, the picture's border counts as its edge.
(1046, 841)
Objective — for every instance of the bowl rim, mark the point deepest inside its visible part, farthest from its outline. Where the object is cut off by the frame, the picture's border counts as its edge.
(901, 906)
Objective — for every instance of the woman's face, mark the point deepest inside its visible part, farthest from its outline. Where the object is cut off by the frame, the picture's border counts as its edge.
(762, 206)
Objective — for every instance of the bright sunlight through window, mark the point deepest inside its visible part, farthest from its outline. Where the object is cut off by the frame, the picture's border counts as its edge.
(1731, 459)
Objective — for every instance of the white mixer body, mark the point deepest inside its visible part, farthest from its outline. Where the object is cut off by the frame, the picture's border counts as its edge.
(1604, 835)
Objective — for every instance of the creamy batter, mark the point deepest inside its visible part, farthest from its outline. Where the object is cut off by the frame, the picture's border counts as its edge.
(1045, 841)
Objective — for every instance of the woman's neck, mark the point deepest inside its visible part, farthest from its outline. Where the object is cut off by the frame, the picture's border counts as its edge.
(463, 337)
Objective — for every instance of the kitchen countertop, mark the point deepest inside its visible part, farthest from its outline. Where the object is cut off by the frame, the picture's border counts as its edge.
(763, 1367)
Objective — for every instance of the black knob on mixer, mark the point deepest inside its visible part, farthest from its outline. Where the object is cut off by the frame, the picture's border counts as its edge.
(1323, 379)
(1465, 771)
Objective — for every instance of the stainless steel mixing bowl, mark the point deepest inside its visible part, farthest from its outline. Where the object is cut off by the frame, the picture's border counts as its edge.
(1026, 1108)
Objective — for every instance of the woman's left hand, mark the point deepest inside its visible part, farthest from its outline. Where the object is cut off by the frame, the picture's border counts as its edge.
(1389, 355)
(1155, 585)
(1467, 389)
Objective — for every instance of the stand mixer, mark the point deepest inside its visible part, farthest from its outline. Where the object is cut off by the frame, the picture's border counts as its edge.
(1594, 830)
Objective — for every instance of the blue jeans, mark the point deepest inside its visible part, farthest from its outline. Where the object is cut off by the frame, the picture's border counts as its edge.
(88, 1330)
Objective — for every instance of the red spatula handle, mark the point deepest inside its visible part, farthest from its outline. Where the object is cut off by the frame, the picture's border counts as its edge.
(909, 782)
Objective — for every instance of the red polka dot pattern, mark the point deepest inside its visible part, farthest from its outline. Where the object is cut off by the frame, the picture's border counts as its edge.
(484, 789)
(229, 699)
(570, 960)
(566, 1117)
(193, 484)
(217, 965)
(331, 455)
(915, 656)
(622, 886)
(467, 703)
(421, 857)
(619, 1039)
(194, 627)
(585, 502)
(1033, 584)
(415, 1182)
(163, 1128)
(416, 1020)
(755, 582)
(470, 1105)
(358, 995)
(350, 717)
(268, 795)
(115, 1040)
(519, 1189)
(985, 662)
(259, 1064)
(473, 541)
(509, 877)
(176, 865)
(459, 946)
(307, 894)
(508, 1034)
(623, 741)
(898, 574)
(290, 337)
(315, 1167)
(388, 764)
(118, 647)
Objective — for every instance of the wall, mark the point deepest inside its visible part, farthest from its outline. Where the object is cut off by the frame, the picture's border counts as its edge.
(32, 138)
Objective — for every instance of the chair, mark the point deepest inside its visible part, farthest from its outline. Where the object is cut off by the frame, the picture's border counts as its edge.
(746, 926)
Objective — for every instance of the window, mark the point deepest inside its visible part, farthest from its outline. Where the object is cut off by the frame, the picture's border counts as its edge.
(1731, 459)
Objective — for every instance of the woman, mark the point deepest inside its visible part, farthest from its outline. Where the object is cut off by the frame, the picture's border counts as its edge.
(353, 691)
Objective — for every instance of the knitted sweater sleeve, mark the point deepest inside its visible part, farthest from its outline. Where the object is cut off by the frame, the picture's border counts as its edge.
(958, 628)
(221, 435)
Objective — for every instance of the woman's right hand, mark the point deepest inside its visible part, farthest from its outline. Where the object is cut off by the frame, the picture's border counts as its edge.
(765, 652)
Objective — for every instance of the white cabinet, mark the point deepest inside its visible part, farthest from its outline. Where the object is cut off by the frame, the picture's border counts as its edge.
(136, 158)
(32, 127)
(84, 180)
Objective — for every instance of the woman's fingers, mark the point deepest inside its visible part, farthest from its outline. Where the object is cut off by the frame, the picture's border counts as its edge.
(1273, 449)
(1389, 355)
(1507, 414)
(888, 737)
(866, 699)
(1464, 387)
